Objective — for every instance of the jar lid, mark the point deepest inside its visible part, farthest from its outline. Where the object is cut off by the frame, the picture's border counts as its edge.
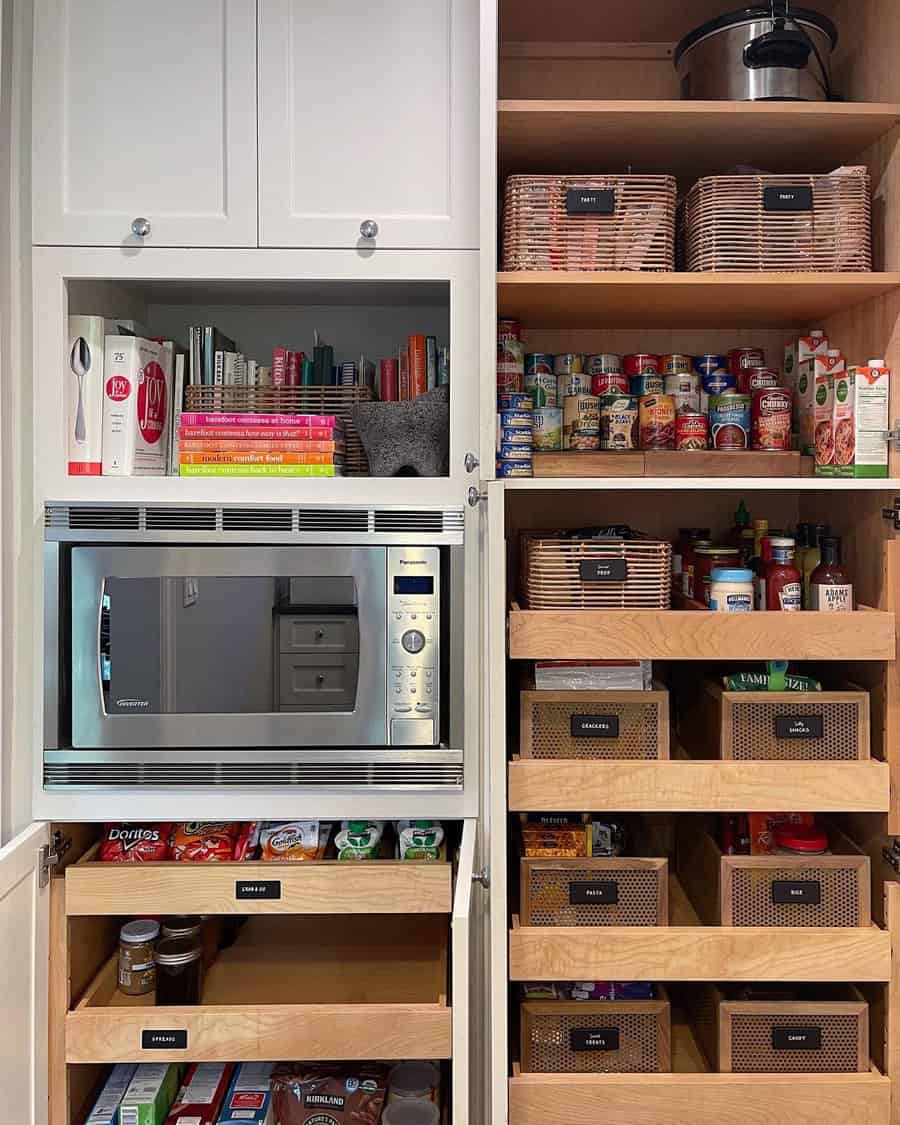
(178, 951)
(717, 551)
(782, 541)
(182, 925)
(731, 574)
(139, 931)
(800, 838)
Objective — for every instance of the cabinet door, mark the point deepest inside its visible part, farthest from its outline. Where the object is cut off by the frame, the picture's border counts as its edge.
(368, 114)
(144, 111)
(464, 982)
(24, 940)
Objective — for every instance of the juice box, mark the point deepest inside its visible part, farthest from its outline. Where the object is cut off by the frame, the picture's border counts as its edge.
(861, 412)
(150, 1095)
(106, 1107)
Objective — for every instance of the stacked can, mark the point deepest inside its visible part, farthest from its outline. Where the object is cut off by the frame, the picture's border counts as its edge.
(510, 356)
(515, 434)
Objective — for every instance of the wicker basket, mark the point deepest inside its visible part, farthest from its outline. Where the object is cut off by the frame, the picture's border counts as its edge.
(596, 1036)
(821, 1030)
(735, 223)
(595, 725)
(614, 573)
(590, 222)
(289, 400)
(594, 892)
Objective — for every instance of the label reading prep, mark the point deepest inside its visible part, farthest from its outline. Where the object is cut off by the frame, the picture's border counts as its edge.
(796, 1038)
(799, 726)
(175, 1040)
(603, 570)
(601, 893)
(590, 201)
(594, 726)
(807, 892)
(594, 1039)
(787, 199)
(257, 889)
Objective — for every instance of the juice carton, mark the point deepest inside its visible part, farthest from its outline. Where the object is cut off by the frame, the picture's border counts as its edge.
(861, 412)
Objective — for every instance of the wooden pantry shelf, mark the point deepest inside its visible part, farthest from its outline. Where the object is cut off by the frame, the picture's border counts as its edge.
(670, 463)
(650, 634)
(686, 139)
(550, 299)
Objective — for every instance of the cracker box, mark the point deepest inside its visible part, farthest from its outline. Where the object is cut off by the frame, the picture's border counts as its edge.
(106, 1107)
(202, 1093)
(249, 1097)
(861, 413)
(798, 351)
(150, 1094)
(137, 404)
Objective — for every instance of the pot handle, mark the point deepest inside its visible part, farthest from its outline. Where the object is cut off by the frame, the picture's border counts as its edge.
(789, 49)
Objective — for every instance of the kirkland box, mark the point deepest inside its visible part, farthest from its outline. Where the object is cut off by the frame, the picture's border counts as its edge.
(106, 1108)
(149, 1097)
(249, 1097)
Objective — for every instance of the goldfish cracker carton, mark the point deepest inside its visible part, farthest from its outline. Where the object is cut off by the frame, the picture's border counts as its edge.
(799, 351)
(827, 369)
(861, 411)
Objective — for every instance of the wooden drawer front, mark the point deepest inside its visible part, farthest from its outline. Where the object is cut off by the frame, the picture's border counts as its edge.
(751, 886)
(318, 634)
(594, 892)
(632, 724)
(635, 1033)
(318, 682)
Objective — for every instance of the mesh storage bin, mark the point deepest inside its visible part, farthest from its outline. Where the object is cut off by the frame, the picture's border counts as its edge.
(788, 223)
(589, 222)
(594, 892)
(595, 725)
(596, 1036)
(289, 400)
(614, 573)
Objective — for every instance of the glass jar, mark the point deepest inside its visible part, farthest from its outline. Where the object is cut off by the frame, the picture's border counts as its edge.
(686, 537)
(182, 926)
(137, 968)
(798, 840)
(179, 971)
(708, 558)
(689, 565)
(731, 590)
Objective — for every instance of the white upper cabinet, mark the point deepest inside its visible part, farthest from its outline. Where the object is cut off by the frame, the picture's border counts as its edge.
(145, 111)
(368, 123)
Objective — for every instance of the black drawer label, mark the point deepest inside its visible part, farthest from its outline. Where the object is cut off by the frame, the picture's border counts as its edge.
(164, 1040)
(590, 201)
(799, 726)
(788, 199)
(603, 570)
(254, 889)
(594, 726)
(604, 893)
(796, 1038)
(805, 891)
(594, 1039)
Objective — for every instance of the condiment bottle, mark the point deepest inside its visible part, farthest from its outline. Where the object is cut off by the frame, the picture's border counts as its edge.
(137, 968)
(783, 581)
(830, 588)
(813, 555)
(760, 531)
(759, 578)
(804, 538)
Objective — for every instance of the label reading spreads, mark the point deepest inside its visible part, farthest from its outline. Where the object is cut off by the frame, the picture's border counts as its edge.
(594, 1039)
(787, 199)
(796, 1038)
(799, 726)
(257, 889)
(603, 570)
(600, 893)
(590, 201)
(807, 892)
(594, 726)
(175, 1040)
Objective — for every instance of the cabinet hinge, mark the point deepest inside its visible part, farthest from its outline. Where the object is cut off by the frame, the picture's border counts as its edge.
(892, 437)
(482, 877)
(51, 856)
(893, 513)
(892, 855)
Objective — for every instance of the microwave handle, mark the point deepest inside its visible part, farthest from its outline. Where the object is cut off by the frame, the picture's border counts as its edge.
(98, 646)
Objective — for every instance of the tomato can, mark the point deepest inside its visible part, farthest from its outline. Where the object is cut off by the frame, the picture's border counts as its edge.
(618, 422)
(771, 413)
(581, 422)
(604, 364)
(547, 429)
(710, 364)
(640, 385)
(657, 422)
(691, 430)
(729, 421)
(641, 364)
(541, 385)
(508, 328)
(685, 389)
(514, 400)
(755, 378)
(739, 359)
(575, 384)
(609, 383)
(676, 364)
(569, 363)
(510, 364)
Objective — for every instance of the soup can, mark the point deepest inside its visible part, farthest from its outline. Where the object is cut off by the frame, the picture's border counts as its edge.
(510, 365)
(657, 422)
(771, 412)
(710, 364)
(516, 419)
(716, 383)
(729, 421)
(508, 328)
(609, 383)
(641, 364)
(603, 364)
(756, 378)
(541, 386)
(581, 422)
(538, 363)
(548, 429)
(641, 385)
(515, 469)
(514, 400)
(618, 422)
(739, 359)
(569, 363)
(691, 430)
(575, 384)
(676, 364)
(685, 389)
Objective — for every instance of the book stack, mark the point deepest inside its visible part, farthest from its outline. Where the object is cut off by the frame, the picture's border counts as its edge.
(270, 445)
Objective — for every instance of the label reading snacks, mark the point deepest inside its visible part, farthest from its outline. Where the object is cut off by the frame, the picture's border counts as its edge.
(594, 894)
(603, 570)
(807, 892)
(787, 199)
(796, 1038)
(594, 726)
(257, 889)
(590, 201)
(594, 1039)
(799, 726)
(175, 1040)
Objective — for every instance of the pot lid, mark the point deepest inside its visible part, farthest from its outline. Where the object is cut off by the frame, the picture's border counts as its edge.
(750, 14)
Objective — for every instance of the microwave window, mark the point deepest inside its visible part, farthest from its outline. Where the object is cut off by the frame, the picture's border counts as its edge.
(414, 584)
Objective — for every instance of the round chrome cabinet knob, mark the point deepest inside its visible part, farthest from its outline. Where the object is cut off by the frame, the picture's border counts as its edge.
(140, 227)
(413, 641)
(368, 228)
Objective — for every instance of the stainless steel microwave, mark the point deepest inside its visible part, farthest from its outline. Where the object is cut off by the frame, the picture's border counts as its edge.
(156, 642)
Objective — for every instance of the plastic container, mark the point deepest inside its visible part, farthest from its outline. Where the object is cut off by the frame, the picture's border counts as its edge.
(137, 969)
(411, 1113)
(414, 1081)
(798, 839)
(731, 590)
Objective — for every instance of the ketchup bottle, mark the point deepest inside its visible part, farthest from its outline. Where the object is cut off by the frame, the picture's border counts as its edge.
(784, 583)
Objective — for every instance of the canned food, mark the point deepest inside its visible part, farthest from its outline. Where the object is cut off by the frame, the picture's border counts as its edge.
(581, 422)
(716, 383)
(657, 422)
(676, 364)
(756, 378)
(538, 363)
(685, 389)
(770, 414)
(640, 385)
(729, 421)
(618, 422)
(604, 364)
(710, 364)
(514, 400)
(508, 328)
(541, 386)
(641, 364)
(576, 384)
(739, 359)
(508, 435)
(509, 452)
(548, 429)
(515, 469)
(510, 364)
(609, 383)
(569, 363)
(516, 419)
(691, 430)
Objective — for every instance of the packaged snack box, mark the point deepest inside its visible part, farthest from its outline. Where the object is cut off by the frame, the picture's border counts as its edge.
(249, 1097)
(150, 1094)
(106, 1107)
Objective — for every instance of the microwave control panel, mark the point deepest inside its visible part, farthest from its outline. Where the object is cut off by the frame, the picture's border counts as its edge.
(414, 666)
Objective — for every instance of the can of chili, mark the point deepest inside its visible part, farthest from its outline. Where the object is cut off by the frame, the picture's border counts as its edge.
(691, 430)
(611, 382)
(676, 364)
(657, 422)
(770, 413)
(755, 378)
(739, 359)
(641, 364)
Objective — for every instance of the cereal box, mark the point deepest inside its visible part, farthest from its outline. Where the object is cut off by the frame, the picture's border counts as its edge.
(861, 412)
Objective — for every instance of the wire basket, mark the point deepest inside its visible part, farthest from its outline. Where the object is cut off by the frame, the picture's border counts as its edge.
(793, 224)
(590, 222)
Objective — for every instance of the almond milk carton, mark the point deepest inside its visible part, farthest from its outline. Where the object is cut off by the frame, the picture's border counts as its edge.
(798, 351)
(828, 368)
(861, 412)
(137, 402)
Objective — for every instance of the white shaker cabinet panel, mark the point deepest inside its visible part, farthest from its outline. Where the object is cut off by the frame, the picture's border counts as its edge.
(368, 123)
(145, 112)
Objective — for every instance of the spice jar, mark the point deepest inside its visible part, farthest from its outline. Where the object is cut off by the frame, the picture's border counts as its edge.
(798, 839)
(708, 558)
(783, 581)
(137, 969)
(178, 971)
(830, 588)
(731, 590)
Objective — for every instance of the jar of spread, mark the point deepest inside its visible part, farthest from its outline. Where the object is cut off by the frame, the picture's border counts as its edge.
(182, 925)
(708, 558)
(689, 565)
(178, 971)
(731, 590)
(137, 968)
(784, 585)
(799, 839)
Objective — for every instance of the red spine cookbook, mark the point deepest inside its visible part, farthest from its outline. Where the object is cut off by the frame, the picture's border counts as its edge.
(279, 367)
(294, 367)
(418, 367)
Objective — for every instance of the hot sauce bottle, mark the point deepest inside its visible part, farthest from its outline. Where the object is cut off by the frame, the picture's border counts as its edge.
(830, 588)
(784, 583)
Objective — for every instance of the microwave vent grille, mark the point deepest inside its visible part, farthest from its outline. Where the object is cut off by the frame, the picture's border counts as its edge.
(333, 519)
(400, 521)
(257, 519)
(180, 519)
(89, 517)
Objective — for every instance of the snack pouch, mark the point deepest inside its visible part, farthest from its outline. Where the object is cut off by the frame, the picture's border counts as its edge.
(205, 842)
(135, 843)
(323, 1094)
(291, 841)
(359, 839)
(775, 678)
(419, 839)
